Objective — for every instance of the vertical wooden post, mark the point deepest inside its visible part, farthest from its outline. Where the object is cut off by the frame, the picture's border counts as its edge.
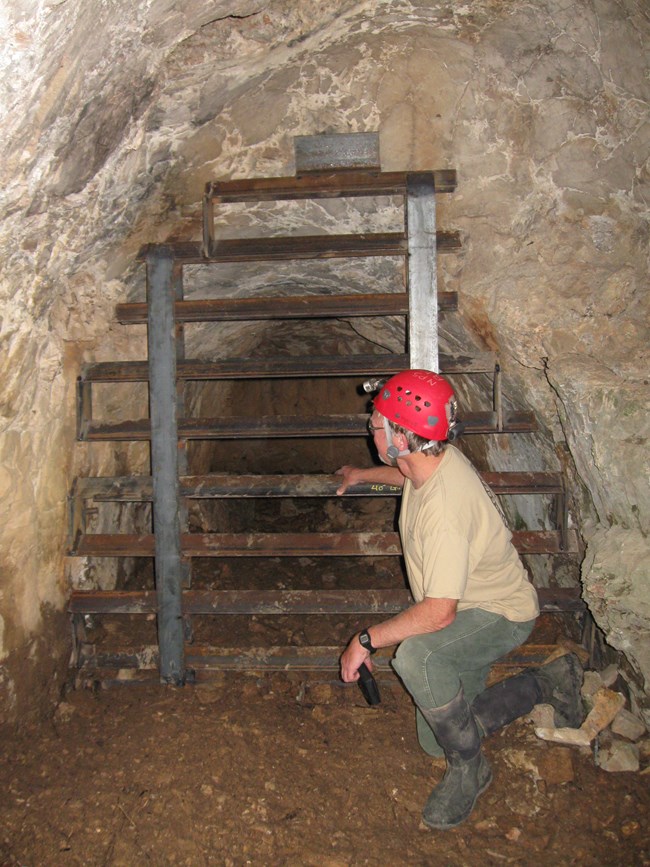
(422, 271)
(161, 338)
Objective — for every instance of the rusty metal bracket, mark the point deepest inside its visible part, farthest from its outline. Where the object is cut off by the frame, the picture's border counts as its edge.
(497, 402)
(84, 405)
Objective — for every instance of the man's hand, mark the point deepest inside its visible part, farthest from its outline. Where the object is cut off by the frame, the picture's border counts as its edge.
(375, 475)
(430, 615)
(351, 658)
(351, 476)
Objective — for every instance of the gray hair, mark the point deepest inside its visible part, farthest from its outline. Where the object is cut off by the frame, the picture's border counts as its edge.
(416, 442)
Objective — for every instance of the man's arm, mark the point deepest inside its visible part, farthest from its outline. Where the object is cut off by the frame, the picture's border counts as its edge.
(430, 615)
(375, 475)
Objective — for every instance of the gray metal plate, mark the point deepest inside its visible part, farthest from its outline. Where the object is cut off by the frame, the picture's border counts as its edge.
(317, 153)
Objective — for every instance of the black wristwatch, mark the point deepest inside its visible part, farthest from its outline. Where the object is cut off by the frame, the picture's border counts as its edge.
(364, 641)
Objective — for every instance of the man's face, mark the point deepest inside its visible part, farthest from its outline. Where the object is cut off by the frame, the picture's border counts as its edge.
(378, 433)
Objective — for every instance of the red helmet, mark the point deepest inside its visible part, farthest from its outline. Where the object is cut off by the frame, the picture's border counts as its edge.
(417, 400)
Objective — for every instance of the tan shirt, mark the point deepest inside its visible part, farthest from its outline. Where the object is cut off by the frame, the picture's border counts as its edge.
(457, 546)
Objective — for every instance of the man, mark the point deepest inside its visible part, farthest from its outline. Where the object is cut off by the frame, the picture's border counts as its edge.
(473, 600)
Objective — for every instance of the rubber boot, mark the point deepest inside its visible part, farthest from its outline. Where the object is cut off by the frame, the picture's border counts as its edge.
(426, 737)
(557, 683)
(468, 773)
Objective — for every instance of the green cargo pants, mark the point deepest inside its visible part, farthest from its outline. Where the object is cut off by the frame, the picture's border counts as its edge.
(434, 666)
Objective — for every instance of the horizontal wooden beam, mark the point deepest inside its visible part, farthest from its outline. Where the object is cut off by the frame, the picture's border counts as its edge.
(284, 307)
(292, 544)
(247, 545)
(296, 247)
(248, 602)
(286, 427)
(208, 602)
(217, 485)
(207, 658)
(283, 366)
(316, 185)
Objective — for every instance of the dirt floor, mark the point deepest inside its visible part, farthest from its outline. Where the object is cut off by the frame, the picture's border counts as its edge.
(276, 770)
(286, 768)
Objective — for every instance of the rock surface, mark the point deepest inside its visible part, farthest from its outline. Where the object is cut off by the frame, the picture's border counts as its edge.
(619, 756)
(606, 704)
(627, 725)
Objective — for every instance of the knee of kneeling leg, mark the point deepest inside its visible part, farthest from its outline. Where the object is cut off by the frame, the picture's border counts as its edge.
(424, 671)
(408, 658)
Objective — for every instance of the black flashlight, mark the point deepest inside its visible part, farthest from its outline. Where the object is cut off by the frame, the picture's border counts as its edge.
(368, 685)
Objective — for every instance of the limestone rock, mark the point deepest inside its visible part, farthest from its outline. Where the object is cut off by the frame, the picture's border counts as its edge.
(591, 683)
(609, 675)
(606, 705)
(611, 417)
(573, 737)
(618, 756)
(628, 726)
(64, 712)
(521, 760)
(615, 570)
(543, 716)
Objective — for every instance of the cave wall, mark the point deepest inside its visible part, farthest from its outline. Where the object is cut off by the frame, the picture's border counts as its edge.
(114, 115)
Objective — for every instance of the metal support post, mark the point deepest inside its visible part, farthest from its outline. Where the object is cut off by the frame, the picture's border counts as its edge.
(161, 338)
(422, 273)
(186, 562)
